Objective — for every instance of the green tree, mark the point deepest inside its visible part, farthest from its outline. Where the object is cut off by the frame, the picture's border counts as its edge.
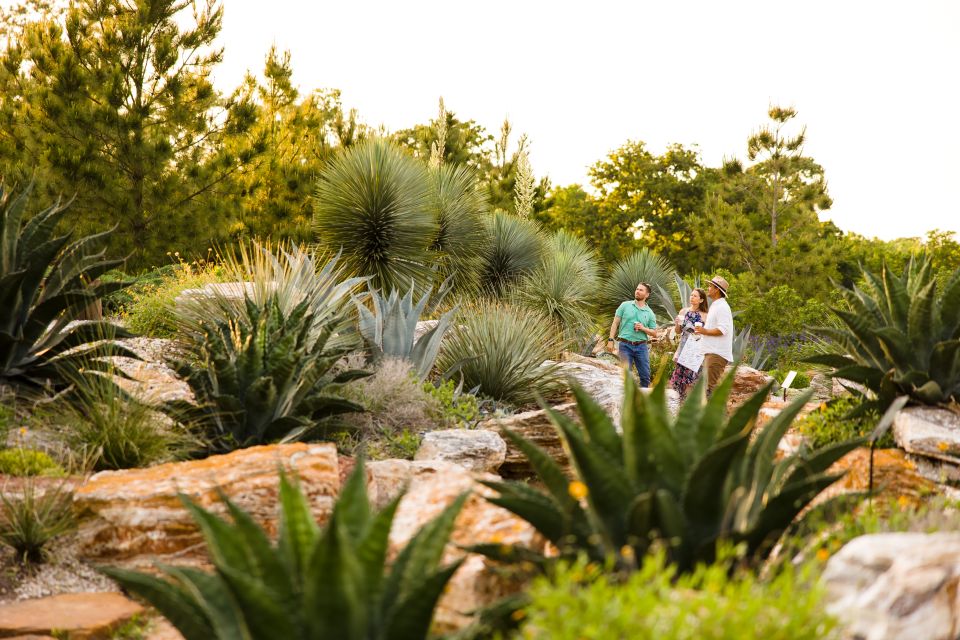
(647, 200)
(465, 142)
(293, 138)
(114, 103)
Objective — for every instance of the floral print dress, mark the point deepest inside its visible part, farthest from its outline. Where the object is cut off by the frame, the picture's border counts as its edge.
(682, 378)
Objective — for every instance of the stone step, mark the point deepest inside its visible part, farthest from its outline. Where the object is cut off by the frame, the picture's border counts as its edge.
(78, 616)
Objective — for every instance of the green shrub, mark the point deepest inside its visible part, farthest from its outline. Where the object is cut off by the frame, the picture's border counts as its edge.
(462, 238)
(655, 604)
(691, 481)
(149, 308)
(114, 430)
(46, 282)
(31, 518)
(899, 336)
(262, 366)
(514, 251)
(313, 583)
(459, 409)
(781, 311)
(800, 381)
(831, 423)
(27, 462)
(500, 350)
(642, 266)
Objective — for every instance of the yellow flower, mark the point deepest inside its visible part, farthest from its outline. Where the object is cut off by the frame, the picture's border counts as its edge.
(23, 432)
(903, 502)
(823, 555)
(518, 615)
(627, 552)
(943, 446)
(578, 490)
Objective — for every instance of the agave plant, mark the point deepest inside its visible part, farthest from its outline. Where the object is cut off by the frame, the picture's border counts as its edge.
(564, 285)
(514, 251)
(390, 328)
(372, 202)
(46, 281)
(642, 266)
(690, 482)
(312, 584)
(261, 364)
(462, 239)
(683, 292)
(899, 336)
(500, 349)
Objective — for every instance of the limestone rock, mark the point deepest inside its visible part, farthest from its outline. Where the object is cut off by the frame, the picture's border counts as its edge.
(897, 585)
(432, 486)
(151, 380)
(536, 427)
(893, 475)
(746, 383)
(602, 380)
(80, 616)
(386, 479)
(135, 516)
(929, 431)
(473, 449)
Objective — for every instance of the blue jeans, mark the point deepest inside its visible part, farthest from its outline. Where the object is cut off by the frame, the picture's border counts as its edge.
(639, 356)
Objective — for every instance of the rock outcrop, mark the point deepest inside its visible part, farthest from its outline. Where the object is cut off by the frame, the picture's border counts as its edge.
(473, 449)
(84, 616)
(892, 586)
(536, 427)
(134, 517)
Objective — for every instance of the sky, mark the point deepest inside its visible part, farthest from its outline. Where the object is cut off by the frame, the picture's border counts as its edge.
(875, 83)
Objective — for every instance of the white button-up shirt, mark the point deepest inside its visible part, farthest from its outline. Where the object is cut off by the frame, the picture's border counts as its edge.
(719, 317)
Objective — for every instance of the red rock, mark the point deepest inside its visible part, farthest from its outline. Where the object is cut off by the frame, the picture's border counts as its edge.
(893, 476)
(135, 516)
(82, 616)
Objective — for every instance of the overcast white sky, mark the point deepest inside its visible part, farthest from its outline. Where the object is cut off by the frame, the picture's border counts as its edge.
(876, 83)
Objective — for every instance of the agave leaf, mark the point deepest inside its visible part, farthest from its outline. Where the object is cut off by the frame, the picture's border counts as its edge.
(173, 601)
(598, 424)
(333, 586)
(215, 598)
(412, 615)
(534, 507)
(353, 507)
(372, 553)
(298, 530)
(273, 617)
(545, 467)
(225, 546)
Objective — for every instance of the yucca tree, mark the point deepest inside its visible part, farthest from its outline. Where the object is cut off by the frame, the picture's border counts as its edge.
(261, 364)
(373, 203)
(313, 584)
(641, 266)
(899, 336)
(564, 286)
(690, 482)
(463, 237)
(516, 245)
(46, 281)
(389, 327)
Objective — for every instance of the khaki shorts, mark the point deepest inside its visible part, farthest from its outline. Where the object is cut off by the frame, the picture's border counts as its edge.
(713, 366)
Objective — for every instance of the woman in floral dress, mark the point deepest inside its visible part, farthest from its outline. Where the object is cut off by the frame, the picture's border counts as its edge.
(682, 377)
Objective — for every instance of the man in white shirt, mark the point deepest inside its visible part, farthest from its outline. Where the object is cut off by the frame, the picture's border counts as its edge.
(717, 333)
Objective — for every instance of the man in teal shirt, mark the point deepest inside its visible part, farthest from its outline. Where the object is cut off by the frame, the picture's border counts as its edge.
(633, 325)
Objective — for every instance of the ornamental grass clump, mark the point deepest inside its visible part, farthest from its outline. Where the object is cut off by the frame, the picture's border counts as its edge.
(333, 583)
(260, 361)
(501, 351)
(31, 517)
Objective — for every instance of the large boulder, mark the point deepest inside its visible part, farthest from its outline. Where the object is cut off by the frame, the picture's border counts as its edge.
(431, 487)
(892, 586)
(746, 382)
(86, 616)
(536, 427)
(150, 379)
(894, 476)
(602, 380)
(135, 516)
(472, 449)
(931, 432)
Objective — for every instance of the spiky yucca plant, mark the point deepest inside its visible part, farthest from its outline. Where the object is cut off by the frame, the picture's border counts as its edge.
(514, 251)
(46, 281)
(691, 481)
(500, 349)
(462, 238)
(261, 363)
(312, 584)
(372, 202)
(389, 328)
(564, 286)
(899, 336)
(641, 266)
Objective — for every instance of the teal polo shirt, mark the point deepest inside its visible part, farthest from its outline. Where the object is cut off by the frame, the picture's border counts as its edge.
(629, 312)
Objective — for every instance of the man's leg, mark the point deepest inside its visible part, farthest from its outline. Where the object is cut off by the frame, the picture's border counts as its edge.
(643, 364)
(626, 356)
(713, 366)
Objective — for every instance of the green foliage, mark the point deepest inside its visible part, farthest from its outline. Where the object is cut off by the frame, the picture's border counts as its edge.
(691, 481)
(115, 103)
(831, 423)
(500, 350)
(899, 335)
(313, 583)
(149, 309)
(780, 311)
(261, 364)
(581, 603)
(462, 239)
(32, 517)
(800, 381)
(46, 280)
(389, 328)
(641, 266)
(27, 462)
(461, 409)
(564, 286)
(514, 251)
(372, 202)
(114, 430)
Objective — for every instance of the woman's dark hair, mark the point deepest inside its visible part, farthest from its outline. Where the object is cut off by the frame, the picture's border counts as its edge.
(703, 300)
